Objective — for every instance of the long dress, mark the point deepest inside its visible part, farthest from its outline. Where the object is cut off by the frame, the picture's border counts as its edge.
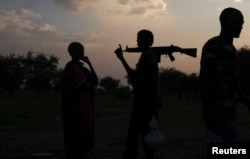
(78, 110)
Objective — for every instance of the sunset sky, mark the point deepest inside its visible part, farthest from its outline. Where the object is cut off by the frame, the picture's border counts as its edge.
(48, 26)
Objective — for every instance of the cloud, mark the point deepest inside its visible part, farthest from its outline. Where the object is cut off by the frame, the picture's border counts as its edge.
(18, 22)
(144, 7)
(23, 29)
(126, 7)
(226, 1)
(240, 1)
(123, 1)
(76, 5)
(47, 27)
(23, 23)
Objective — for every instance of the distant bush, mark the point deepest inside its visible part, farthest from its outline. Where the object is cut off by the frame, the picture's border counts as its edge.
(123, 92)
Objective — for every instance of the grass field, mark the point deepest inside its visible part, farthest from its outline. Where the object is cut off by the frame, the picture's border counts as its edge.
(27, 111)
(29, 124)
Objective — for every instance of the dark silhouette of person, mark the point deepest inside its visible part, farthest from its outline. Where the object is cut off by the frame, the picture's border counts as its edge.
(145, 81)
(219, 77)
(78, 85)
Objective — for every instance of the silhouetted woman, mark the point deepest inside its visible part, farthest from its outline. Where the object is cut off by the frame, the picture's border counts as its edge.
(78, 104)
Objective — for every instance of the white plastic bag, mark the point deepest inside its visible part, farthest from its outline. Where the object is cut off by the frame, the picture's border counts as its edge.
(155, 138)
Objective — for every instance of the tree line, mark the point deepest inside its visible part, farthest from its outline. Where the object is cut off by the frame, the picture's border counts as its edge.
(39, 72)
(34, 71)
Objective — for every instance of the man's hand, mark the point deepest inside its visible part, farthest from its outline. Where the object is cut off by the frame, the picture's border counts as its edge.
(119, 52)
(86, 59)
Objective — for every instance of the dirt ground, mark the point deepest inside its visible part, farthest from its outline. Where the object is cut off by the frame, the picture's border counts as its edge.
(184, 140)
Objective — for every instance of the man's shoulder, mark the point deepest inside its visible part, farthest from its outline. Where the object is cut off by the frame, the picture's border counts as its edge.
(69, 65)
(211, 49)
(212, 43)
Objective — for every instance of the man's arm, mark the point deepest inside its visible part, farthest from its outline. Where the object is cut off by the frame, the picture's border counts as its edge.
(93, 73)
(129, 71)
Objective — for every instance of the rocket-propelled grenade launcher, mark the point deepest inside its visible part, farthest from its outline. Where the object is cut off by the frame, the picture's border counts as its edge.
(166, 50)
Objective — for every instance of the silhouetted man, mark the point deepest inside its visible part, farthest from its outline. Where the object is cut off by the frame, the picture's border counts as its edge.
(219, 75)
(78, 85)
(146, 100)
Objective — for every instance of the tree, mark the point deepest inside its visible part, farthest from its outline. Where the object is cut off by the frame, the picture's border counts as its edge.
(172, 80)
(109, 83)
(123, 92)
(11, 70)
(193, 84)
(40, 71)
(56, 82)
(175, 81)
(244, 56)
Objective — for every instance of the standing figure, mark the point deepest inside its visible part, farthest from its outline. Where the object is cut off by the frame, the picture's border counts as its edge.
(145, 80)
(78, 104)
(219, 76)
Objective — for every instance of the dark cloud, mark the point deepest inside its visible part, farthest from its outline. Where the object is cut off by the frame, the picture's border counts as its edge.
(137, 11)
(76, 5)
(123, 1)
